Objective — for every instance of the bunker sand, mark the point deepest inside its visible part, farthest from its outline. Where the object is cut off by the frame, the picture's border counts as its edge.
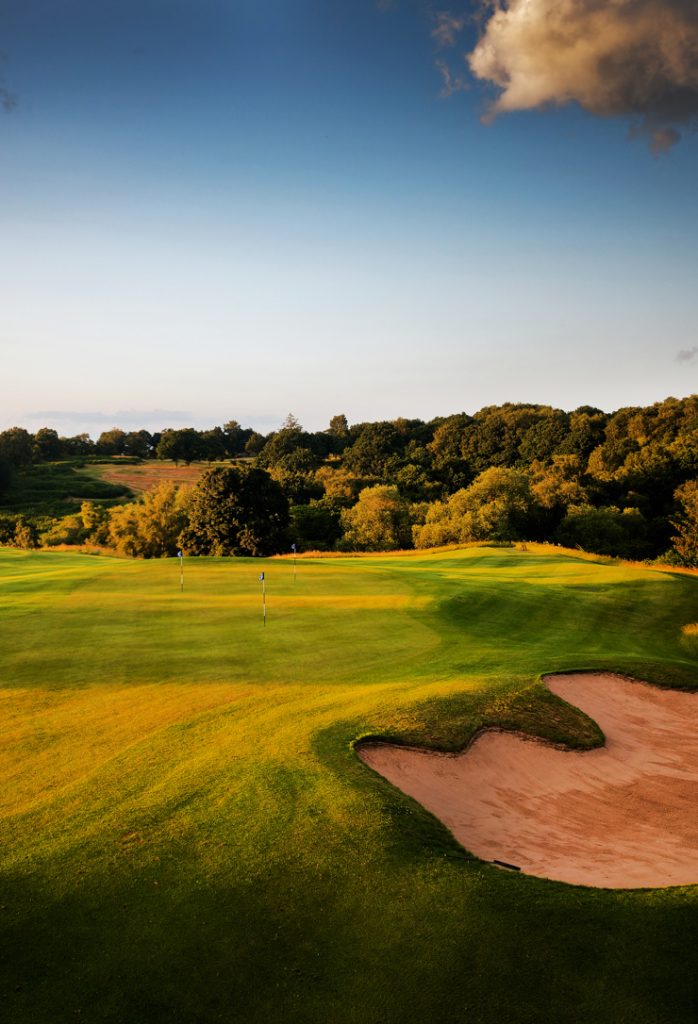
(623, 815)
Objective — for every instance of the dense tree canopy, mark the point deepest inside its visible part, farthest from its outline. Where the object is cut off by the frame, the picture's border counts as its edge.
(375, 450)
(617, 483)
(150, 527)
(498, 505)
(16, 447)
(236, 512)
(686, 523)
(379, 521)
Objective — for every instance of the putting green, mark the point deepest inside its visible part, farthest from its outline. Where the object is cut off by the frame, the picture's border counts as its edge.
(188, 835)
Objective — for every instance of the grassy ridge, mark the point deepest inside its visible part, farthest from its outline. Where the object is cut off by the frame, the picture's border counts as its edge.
(59, 488)
(188, 836)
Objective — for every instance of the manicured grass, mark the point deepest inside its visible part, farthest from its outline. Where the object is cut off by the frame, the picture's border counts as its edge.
(188, 836)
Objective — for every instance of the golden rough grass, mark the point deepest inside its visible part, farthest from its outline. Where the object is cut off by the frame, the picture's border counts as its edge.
(146, 477)
(689, 636)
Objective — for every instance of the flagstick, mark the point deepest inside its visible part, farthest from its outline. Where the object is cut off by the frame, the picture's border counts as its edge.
(181, 572)
(264, 598)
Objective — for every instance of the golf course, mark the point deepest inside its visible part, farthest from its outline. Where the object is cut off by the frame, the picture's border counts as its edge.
(189, 836)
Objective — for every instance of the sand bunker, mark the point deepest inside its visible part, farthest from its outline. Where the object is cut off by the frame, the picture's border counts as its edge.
(623, 815)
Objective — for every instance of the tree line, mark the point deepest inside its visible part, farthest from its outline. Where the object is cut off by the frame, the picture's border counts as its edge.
(622, 484)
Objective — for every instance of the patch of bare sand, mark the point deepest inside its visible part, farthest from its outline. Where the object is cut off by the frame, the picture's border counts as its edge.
(624, 815)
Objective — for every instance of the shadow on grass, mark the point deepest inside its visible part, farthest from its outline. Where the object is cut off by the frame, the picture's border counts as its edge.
(364, 939)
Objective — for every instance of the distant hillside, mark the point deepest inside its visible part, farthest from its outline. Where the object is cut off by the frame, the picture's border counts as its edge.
(624, 483)
(58, 488)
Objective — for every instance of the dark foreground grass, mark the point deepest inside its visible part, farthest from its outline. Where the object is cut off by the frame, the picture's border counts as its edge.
(188, 835)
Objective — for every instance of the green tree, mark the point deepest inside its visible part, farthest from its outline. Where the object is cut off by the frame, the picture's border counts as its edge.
(295, 473)
(684, 451)
(605, 531)
(183, 445)
(255, 443)
(340, 485)
(67, 530)
(111, 442)
(95, 521)
(586, 432)
(414, 483)
(446, 452)
(317, 526)
(235, 437)
(166, 448)
(544, 436)
(16, 447)
(498, 505)
(47, 445)
(5, 475)
(282, 447)
(8, 525)
(686, 523)
(150, 527)
(337, 434)
(80, 444)
(379, 521)
(236, 512)
(139, 444)
(556, 486)
(494, 437)
(213, 445)
(376, 450)
(26, 534)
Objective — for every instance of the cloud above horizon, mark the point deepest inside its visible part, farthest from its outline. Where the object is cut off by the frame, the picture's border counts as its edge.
(8, 100)
(451, 83)
(445, 31)
(123, 417)
(446, 27)
(686, 355)
(632, 58)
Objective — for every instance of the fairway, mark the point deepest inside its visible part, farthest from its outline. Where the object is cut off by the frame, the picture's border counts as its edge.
(189, 836)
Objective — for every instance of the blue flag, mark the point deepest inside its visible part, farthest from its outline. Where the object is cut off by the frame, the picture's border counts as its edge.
(261, 577)
(179, 554)
(293, 547)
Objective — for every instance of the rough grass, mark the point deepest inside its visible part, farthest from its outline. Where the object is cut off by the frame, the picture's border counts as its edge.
(188, 836)
(57, 489)
(689, 636)
(148, 475)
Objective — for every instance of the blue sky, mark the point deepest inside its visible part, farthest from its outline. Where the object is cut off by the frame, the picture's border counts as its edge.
(235, 210)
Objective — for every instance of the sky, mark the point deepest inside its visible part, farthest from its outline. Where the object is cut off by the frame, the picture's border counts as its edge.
(220, 210)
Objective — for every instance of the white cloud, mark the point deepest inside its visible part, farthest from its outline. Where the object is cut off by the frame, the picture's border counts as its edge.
(637, 58)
